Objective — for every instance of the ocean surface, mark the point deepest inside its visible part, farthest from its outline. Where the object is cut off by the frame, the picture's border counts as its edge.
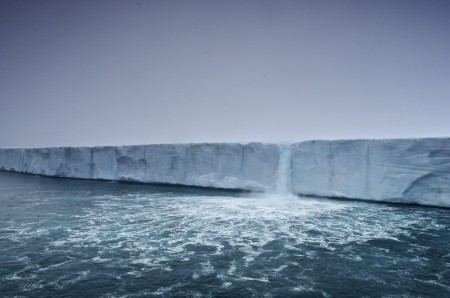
(78, 238)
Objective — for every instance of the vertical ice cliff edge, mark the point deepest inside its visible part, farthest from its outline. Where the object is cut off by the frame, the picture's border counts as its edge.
(250, 166)
(397, 170)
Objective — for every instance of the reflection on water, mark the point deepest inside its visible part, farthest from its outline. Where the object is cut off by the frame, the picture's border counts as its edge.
(62, 237)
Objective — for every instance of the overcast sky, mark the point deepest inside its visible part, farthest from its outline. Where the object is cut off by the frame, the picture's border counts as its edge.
(135, 72)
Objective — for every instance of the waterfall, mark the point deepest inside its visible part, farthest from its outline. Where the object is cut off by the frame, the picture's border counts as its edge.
(283, 174)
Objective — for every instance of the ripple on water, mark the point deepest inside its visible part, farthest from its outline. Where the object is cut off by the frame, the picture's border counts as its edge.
(161, 244)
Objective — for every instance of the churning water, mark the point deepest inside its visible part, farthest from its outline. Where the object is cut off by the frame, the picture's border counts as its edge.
(62, 237)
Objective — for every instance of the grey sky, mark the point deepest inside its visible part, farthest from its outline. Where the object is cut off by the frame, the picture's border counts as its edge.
(134, 72)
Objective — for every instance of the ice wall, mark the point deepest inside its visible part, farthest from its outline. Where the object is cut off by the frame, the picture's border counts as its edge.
(236, 166)
(402, 170)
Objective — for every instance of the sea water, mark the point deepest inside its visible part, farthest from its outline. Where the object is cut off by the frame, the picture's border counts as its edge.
(64, 237)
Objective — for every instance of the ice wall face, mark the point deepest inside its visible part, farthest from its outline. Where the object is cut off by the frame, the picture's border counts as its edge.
(236, 166)
(403, 170)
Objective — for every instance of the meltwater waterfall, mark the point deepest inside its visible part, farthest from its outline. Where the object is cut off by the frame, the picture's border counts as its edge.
(283, 176)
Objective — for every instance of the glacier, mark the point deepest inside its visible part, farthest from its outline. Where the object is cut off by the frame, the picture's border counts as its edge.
(391, 170)
(250, 166)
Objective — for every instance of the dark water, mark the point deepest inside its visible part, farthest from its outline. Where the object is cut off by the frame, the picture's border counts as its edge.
(78, 238)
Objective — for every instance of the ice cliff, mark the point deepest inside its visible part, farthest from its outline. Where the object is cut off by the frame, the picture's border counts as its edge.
(249, 166)
(401, 170)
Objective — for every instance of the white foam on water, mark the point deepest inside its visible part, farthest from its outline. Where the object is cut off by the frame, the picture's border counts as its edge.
(98, 259)
(28, 287)
(433, 282)
(279, 269)
(70, 279)
(207, 268)
(150, 231)
(246, 278)
(232, 268)
(246, 224)
(165, 290)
